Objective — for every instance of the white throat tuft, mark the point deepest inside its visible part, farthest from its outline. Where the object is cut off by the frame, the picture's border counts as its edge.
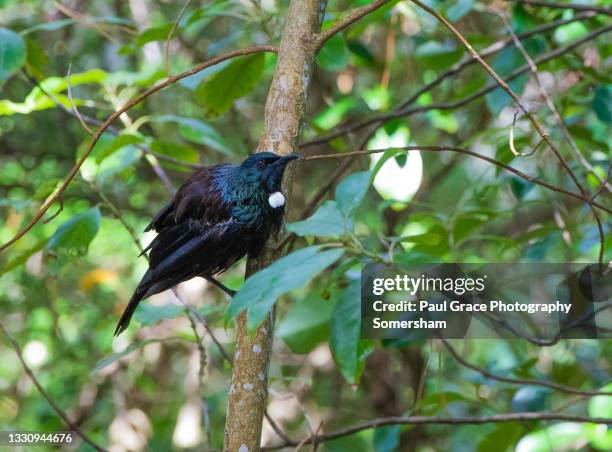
(276, 200)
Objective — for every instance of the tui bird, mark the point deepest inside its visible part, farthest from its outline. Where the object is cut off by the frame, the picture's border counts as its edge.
(219, 215)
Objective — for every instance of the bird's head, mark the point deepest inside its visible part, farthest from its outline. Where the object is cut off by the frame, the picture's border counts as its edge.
(266, 169)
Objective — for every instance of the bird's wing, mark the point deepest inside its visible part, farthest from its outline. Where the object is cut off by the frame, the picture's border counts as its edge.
(197, 199)
(187, 250)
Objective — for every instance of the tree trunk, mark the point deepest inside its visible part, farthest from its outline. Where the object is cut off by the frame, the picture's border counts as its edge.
(284, 113)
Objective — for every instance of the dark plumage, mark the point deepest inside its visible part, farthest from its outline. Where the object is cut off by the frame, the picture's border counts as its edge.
(218, 216)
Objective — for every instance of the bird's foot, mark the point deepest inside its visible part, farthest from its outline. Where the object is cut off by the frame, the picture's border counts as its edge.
(221, 286)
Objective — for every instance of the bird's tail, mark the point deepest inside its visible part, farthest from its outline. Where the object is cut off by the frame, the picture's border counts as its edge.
(140, 293)
(124, 321)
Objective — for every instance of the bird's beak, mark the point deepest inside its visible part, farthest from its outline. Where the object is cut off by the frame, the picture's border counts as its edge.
(282, 161)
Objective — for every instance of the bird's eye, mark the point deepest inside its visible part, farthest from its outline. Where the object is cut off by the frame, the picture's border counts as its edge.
(261, 164)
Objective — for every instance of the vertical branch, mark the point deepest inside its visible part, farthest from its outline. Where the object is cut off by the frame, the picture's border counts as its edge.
(284, 112)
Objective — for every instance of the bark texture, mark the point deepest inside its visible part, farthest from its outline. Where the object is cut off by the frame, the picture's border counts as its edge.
(284, 113)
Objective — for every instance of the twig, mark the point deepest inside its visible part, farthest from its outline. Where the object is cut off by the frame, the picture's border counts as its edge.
(131, 103)
(59, 210)
(511, 141)
(170, 34)
(561, 124)
(111, 129)
(509, 168)
(603, 183)
(434, 420)
(552, 341)
(572, 6)
(532, 118)
(352, 17)
(549, 102)
(72, 104)
(201, 374)
(45, 395)
(402, 109)
(520, 381)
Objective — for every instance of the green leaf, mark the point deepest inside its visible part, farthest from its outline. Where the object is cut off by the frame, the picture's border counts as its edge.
(306, 324)
(198, 131)
(437, 401)
(386, 439)
(261, 290)
(218, 93)
(49, 26)
(530, 398)
(120, 141)
(351, 191)
(556, 437)
(459, 9)
(176, 151)
(388, 154)
(520, 187)
(37, 100)
(601, 406)
(110, 156)
(437, 56)
(36, 58)
(334, 55)
(291, 272)
(346, 331)
(12, 53)
(333, 114)
(602, 104)
(22, 257)
(158, 33)
(148, 314)
(426, 239)
(76, 234)
(503, 437)
(504, 63)
(570, 32)
(326, 221)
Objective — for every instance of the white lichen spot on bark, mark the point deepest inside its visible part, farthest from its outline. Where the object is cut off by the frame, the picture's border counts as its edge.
(261, 376)
(243, 448)
(248, 386)
(257, 348)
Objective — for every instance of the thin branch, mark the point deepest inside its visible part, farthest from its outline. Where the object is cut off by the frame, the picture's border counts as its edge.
(201, 377)
(44, 393)
(561, 124)
(171, 34)
(603, 183)
(572, 6)
(59, 210)
(520, 381)
(434, 420)
(502, 165)
(75, 110)
(549, 102)
(511, 141)
(402, 109)
(557, 337)
(532, 118)
(131, 103)
(352, 17)
(111, 129)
